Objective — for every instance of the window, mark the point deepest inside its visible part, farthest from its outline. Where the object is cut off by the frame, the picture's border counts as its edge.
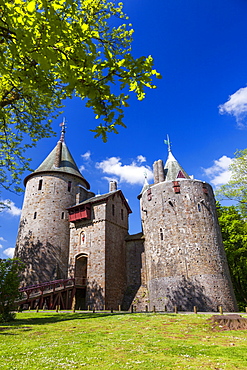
(62, 215)
(199, 207)
(122, 214)
(113, 209)
(40, 184)
(82, 238)
(35, 215)
(161, 234)
(69, 186)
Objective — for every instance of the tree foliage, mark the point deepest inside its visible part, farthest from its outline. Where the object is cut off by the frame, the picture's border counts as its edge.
(236, 188)
(9, 287)
(234, 234)
(56, 49)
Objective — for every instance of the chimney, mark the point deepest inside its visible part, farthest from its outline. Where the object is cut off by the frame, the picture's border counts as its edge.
(161, 172)
(58, 154)
(156, 173)
(112, 186)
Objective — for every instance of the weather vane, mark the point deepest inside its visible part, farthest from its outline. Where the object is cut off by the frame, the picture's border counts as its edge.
(63, 129)
(168, 143)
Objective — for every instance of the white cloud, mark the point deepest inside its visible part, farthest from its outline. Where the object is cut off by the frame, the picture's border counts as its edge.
(2, 240)
(236, 106)
(86, 156)
(9, 252)
(141, 159)
(219, 173)
(131, 174)
(82, 168)
(11, 208)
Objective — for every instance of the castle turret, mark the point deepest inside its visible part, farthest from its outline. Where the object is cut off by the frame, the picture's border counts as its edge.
(43, 236)
(184, 256)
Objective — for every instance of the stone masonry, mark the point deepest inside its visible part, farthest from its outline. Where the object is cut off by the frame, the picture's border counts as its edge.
(185, 260)
(103, 244)
(43, 237)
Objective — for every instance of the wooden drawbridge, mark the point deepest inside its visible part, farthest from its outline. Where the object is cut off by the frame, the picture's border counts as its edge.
(51, 294)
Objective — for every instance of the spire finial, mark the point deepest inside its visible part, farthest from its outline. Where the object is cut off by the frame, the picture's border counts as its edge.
(145, 178)
(168, 143)
(62, 130)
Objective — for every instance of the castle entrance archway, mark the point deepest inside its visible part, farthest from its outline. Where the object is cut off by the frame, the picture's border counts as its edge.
(81, 269)
(81, 280)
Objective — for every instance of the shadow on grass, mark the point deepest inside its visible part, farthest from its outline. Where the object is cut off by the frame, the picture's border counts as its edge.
(51, 318)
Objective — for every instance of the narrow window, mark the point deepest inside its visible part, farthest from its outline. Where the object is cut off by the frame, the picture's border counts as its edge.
(40, 184)
(199, 207)
(69, 185)
(113, 209)
(161, 234)
(122, 214)
(35, 215)
(82, 238)
(62, 216)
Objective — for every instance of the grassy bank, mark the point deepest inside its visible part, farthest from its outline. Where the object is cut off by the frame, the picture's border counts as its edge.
(50, 340)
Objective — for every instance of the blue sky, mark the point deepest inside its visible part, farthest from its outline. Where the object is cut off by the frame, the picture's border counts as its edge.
(200, 48)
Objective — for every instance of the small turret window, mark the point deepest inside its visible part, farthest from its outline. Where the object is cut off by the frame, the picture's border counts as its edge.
(62, 215)
(199, 207)
(122, 214)
(113, 209)
(161, 234)
(35, 215)
(69, 185)
(40, 184)
(82, 238)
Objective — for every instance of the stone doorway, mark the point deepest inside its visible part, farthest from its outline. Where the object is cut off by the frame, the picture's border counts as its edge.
(81, 269)
(81, 261)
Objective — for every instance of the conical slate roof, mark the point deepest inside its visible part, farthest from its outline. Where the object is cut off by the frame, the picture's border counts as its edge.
(173, 170)
(145, 187)
(59, 160)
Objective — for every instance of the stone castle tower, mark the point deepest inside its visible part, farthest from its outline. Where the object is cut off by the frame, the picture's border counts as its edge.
(43, 237)
(185, 262)
(178, 259)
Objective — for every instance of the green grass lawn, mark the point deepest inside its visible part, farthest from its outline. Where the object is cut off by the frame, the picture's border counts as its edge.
(50, 340)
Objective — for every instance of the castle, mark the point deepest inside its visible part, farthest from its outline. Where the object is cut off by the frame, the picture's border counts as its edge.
(68, 231)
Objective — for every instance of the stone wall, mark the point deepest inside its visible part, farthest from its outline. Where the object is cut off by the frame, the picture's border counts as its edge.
(185, 258)
(104, 247)
(136, 293)
(116, 232)
(87, 237)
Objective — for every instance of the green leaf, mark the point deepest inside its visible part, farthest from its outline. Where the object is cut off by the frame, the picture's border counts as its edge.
(31, 6)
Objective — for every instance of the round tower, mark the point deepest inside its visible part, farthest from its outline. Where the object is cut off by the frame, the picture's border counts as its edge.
(186, 263)
(43, 236)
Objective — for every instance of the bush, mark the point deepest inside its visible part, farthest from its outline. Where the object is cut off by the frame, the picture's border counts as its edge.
(9, 287)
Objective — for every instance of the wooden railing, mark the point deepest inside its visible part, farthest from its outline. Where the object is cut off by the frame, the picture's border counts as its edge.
(51, 294)
(47, 286)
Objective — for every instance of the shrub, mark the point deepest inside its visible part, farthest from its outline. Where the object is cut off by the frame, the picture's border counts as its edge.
(9, 287)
